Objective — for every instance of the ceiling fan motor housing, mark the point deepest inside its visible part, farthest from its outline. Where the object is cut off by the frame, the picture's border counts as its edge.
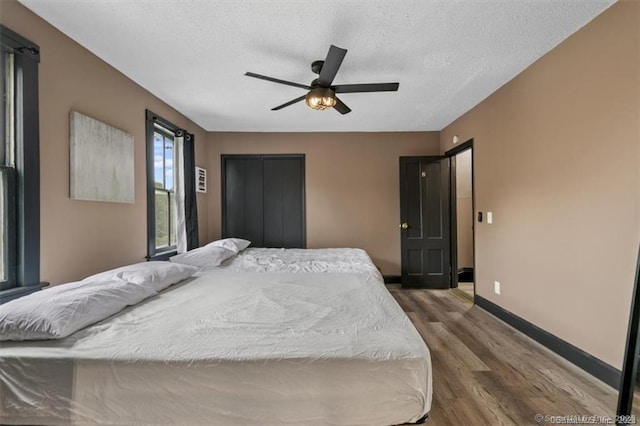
(315, 83)
(316, 66)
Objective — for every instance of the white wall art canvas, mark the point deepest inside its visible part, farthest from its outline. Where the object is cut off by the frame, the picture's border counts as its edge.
(102, 167)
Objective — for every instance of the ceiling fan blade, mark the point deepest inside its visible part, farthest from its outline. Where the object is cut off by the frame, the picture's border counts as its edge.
(288, 103)
(331, 65)
(277, 80)
(360, 88)
(341, 107)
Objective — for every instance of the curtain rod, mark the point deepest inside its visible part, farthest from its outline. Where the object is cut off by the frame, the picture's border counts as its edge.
(178, 132)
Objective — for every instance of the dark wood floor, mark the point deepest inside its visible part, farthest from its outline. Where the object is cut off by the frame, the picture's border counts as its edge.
(487, 373)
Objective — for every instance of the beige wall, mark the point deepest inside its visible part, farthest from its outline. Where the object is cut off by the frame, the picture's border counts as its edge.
(464, 208)
(352, 184)
(83, 237)
(464, 231)
(557, 161)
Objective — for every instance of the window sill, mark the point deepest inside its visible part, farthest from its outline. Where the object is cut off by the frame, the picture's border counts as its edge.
(164, 255)
(14, 293)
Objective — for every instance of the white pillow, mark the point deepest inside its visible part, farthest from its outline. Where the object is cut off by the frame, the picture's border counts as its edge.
(159, 274)
(203, 256)
(234, 244)
(57, 312)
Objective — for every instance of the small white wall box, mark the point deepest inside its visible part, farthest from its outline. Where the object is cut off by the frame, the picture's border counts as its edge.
(201, 179)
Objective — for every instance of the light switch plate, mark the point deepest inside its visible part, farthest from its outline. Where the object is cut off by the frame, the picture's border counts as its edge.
(489, 217)
(496, 287)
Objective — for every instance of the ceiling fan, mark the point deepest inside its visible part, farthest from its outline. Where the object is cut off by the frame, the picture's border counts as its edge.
(322, 94)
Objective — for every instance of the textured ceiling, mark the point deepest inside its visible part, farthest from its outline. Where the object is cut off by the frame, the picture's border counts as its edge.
(447, 55)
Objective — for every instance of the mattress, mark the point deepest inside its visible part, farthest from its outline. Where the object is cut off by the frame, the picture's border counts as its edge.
(231, 348)
(349, 260)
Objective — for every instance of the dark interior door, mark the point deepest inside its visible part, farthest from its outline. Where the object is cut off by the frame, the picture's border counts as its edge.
(263, 199)
(424, 215)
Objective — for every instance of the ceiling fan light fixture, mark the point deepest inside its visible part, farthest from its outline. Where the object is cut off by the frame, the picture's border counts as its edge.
(320, 98)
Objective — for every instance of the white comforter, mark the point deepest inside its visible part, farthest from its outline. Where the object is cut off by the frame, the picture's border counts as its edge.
(349, 260)
(229, 348)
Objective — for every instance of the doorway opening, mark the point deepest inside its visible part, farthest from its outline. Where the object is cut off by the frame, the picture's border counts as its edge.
(462, 220)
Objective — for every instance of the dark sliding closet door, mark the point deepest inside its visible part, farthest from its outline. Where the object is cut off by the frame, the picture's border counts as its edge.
(263, 199)
(242, 198)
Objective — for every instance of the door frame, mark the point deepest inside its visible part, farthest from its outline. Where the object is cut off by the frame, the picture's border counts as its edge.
(454, 211)
(629, 372)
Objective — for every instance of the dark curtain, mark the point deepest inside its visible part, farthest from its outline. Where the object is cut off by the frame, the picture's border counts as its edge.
(190, 206)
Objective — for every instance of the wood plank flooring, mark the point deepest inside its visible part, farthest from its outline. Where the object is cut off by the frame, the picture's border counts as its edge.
(487, 373)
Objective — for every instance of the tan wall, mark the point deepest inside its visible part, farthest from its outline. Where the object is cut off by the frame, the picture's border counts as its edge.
(464, 231)
(83, 237)
(557, 161)
(352, 184)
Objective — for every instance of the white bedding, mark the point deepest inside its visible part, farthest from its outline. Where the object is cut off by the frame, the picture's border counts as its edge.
(349, 260)
(229, 348)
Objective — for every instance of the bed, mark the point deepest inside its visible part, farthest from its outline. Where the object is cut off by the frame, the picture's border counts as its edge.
(270, 337)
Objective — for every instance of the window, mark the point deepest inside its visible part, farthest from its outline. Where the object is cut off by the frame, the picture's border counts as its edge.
(7, 230)
(161, 187)
(7, 173)
(165, 200)
(19, 166)
(172, 212)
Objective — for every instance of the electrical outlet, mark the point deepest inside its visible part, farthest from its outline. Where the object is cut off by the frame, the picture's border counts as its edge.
(496, 287)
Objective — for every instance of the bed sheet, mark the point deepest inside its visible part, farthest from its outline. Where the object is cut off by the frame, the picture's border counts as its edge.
(231, 348)
(348, 260)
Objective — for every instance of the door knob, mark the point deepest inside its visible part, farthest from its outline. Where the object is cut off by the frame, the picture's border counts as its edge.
(404, 225)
